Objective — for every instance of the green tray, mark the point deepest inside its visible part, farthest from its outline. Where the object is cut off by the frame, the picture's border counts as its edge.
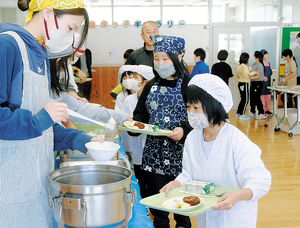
(159, 132)
(77, 80)
(157, 200)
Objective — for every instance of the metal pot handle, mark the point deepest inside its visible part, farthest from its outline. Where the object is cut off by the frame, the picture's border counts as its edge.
(132, 196)
(72, 203)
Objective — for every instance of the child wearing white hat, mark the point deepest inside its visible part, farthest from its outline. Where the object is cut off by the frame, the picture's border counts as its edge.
(219, 152)
(141, 75)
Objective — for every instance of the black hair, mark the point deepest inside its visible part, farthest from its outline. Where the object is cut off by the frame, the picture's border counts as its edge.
(244, 58)
(23, 4)
(200, 52)
(298, 35)
(180, 67)
(260, 57)
(127, 53)
(56, 65)
(212, 108)
(222, 55)
(287, 52)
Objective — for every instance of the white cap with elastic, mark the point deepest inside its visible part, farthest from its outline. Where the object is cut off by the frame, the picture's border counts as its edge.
(145, 71)
(216, 87)
(124, 68)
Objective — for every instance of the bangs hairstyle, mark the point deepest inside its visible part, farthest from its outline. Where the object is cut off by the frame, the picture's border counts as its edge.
(78, 12)
(212, 108)
(180, 67)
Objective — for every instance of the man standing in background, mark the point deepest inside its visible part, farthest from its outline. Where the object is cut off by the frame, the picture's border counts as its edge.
(144, 55)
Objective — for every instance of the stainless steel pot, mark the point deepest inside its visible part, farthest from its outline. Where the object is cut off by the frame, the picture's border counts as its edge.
(91, 196)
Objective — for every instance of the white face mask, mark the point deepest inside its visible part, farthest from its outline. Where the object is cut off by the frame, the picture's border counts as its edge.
(129, 83)
(135, 86)
(164, 71)
(58, 40)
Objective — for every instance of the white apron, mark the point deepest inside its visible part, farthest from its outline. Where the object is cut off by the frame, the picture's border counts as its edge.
(25, 164)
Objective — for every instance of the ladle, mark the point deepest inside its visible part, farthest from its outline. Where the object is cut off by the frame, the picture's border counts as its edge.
(111, 127)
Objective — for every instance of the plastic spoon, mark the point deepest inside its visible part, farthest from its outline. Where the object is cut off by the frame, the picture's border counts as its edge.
(111, 127)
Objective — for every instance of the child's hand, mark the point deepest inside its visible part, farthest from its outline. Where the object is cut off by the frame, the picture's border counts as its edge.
(227, 201)
(265, 78)
(177, 133)
(171, 185)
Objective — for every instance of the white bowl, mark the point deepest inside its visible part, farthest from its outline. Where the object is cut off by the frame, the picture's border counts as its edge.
(102, 151)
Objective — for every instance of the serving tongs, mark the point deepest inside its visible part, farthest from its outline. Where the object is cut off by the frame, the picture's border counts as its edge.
(111, 127)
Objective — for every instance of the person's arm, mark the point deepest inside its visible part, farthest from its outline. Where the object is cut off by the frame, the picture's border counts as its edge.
(140, 113)
(16, 123)
(290, 75)
(254, 178)
(118, 89)
(73, 94)
(67, 138)
(91, 111)
(256, 76)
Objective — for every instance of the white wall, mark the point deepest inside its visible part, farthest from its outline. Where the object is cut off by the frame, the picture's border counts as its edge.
(101, 40)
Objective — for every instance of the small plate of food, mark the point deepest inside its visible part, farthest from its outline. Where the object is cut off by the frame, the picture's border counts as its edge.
(136, 125)
(183, 203)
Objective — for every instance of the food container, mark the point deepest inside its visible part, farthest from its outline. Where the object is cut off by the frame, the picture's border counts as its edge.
(102, 151)
(91, 196)
(201, 187)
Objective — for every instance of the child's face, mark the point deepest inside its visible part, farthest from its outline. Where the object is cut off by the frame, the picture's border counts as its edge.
(197, 58)
(139, 78)
(298, 40)
(127, 76)
(195, 108)
(266, 56)
(162, 58)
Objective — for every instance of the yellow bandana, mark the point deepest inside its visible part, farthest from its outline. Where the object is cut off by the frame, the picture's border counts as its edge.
(38, 5)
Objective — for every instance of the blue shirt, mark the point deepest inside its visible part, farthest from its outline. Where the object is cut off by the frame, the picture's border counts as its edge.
(20, 124)
(200, 68)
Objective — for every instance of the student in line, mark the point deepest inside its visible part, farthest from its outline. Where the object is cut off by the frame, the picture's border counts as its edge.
(219, 152)
(200, 67)
(243, 85)
(161, 103)
(222, 69)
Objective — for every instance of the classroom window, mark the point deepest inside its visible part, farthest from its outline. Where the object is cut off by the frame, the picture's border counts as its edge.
(227, 11)
(99, 13)
(262, 10)
(191, 11)
(134, 13)
(291, 11)
(234, 44)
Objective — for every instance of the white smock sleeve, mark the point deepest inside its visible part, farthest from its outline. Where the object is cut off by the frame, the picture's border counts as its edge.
(250, 169)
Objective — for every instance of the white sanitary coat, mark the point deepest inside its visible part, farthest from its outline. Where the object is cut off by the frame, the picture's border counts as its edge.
(137, 142)
(233, 162)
